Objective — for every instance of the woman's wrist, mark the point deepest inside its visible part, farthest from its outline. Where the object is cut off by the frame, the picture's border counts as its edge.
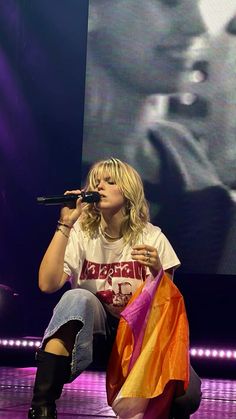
(155, 270)
(63, 230)
(66, 224)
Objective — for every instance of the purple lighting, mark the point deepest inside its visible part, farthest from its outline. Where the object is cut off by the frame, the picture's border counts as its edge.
(30, 342)
(20, 343)
(213, 353)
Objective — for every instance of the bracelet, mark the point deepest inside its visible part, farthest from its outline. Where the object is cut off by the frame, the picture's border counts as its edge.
(63, 224)
(64, 234)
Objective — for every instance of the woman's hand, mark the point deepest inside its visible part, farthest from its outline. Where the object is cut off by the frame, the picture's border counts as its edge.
(70, 215)
(147, 256)
(51, 272)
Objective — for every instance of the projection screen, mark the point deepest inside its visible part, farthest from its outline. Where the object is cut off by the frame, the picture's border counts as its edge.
(161, 95)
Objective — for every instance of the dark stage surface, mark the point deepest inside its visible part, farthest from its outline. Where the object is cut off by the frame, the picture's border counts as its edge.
(86, 397)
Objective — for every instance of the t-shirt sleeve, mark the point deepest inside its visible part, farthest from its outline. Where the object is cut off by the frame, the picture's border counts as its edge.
(166, 253)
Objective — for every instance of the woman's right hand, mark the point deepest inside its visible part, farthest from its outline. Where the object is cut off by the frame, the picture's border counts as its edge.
(70, 215)
(51, 272)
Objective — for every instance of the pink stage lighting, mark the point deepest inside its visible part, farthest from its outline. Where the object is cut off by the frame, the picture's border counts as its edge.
(30, 342)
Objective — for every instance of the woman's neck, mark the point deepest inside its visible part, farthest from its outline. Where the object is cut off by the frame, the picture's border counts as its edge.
(111, 226)
(108, 236)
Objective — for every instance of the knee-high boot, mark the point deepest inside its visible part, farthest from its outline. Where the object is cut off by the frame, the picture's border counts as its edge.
(52, 373)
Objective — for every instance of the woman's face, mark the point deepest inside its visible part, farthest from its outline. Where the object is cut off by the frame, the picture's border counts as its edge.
(144, 43)
(112, 198)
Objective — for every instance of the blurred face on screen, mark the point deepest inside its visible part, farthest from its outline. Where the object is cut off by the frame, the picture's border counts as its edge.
(144, 43)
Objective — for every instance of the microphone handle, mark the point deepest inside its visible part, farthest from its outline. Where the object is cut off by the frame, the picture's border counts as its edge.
(69, 198)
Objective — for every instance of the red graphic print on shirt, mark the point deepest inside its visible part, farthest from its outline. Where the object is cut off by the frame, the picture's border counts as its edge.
(131, 269)
(116, 272)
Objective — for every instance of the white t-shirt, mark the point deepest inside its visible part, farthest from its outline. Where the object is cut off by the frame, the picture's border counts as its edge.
(106, 268)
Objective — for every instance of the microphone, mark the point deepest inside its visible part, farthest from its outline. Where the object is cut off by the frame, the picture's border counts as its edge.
(89, 197)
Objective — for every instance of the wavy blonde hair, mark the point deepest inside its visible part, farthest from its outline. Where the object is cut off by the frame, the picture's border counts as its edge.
(136, 212)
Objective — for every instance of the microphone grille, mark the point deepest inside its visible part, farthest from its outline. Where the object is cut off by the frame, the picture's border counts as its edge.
(91, 196)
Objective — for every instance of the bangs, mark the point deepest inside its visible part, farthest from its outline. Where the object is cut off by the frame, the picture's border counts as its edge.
(136, 212)
(106, 169)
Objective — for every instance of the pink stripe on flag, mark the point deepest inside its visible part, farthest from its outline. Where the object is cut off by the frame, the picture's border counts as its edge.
(136, 314)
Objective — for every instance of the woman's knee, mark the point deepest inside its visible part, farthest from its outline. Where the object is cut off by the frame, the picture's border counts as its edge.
(76, 297)
(76, 306)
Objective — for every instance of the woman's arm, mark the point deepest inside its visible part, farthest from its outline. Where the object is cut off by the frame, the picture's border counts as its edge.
(51, 272)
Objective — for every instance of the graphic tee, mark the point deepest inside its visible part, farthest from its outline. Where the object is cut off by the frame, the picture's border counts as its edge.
(106, 268)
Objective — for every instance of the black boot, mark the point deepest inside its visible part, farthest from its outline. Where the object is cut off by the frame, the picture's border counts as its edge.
(52, 373)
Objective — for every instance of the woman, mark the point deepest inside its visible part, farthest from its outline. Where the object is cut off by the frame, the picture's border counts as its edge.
(106, 250)
(139, 51)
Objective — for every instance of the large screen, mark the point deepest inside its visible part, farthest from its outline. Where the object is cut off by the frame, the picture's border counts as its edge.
(161, 95)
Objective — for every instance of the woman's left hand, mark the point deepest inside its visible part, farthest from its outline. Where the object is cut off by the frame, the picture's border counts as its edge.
(147, 256)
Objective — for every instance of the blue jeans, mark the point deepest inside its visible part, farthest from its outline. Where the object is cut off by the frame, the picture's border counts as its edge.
(80, 304)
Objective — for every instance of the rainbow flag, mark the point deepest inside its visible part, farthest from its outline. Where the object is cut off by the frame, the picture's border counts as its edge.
(150, 353)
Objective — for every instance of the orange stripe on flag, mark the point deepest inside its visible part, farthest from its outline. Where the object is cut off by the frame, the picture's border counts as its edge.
(157, 314)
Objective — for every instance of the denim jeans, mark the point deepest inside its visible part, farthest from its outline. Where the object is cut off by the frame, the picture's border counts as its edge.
(82, 305)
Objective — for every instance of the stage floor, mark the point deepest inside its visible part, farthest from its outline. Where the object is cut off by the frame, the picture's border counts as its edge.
(86, 397)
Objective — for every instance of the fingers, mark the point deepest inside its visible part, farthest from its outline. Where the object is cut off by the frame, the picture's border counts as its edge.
(78, 192)
(144, 253)
(147, 256)
(71, 211)
(144, 247)
(74, 192)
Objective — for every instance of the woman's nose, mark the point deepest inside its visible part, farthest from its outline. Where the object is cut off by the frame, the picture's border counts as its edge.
(100, 185)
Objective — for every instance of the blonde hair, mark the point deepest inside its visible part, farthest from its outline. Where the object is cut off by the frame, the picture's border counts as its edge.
(136, 208)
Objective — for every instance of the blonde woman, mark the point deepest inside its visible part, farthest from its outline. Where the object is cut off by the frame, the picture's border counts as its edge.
(106, 250)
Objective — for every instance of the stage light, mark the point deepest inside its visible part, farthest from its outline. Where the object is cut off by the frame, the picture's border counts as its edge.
(32, 343)
(226, 354)
(28, 343)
